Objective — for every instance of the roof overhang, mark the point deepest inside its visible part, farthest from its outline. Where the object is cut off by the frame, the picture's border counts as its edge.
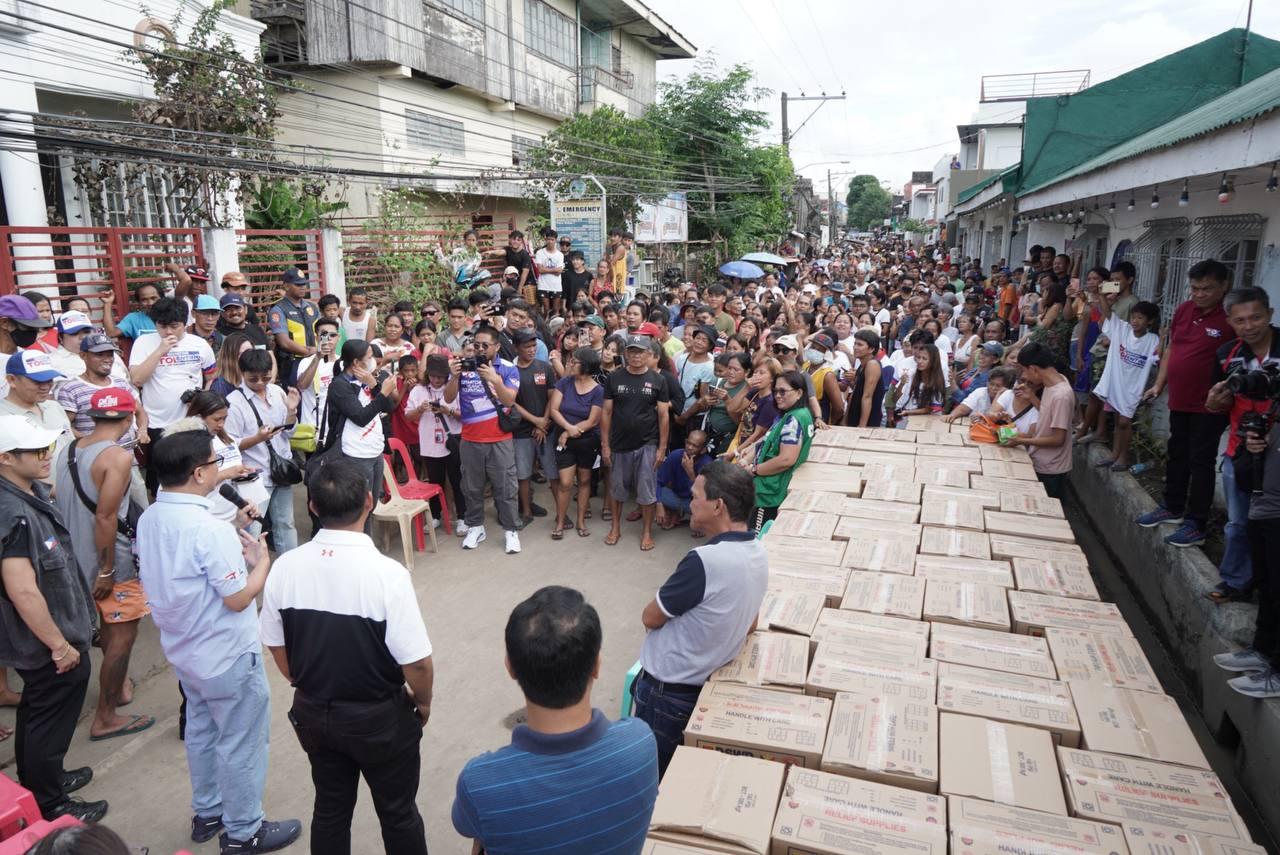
(636, 19)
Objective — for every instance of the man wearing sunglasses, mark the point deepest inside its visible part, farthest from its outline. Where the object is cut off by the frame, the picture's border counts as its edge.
(46, 620)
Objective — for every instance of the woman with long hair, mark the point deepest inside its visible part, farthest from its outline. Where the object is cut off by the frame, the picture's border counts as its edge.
(357, 400)
(753, 406)
(601, 283)
(562, 354)
(392, 344)
(439, 435)
(782, 449)
(425, 334)
(866, 396)
(212, 408)
(964, 355)
(928, 387)
(749, 332)
(226, 377)
(575, 406)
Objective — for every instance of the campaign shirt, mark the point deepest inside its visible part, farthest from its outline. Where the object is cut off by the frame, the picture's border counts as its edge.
(364, 442)
(433, 428)
(536, 381)
(312, 399)
(549, 261)
(1129, 362)
(479, 416)
(635, 397)
(182, 368)
(1194, 338)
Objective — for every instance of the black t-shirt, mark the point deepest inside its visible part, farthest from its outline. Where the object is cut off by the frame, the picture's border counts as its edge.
(536, 382)
(256, 334)
(519, 259)
(572, 283)
(17, 543)
(635, 408)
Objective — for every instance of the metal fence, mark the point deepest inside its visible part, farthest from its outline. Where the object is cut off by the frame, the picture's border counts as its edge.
(266, 253)
(382, 260)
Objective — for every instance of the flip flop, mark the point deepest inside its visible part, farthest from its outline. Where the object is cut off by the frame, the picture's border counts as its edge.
(647, 547)
(5, 732)
(1119, 467)
(584, 532)
(137, 724)
(634, 516)
(606, 515)
(612, 539)
(1103, 464)
(557, 534)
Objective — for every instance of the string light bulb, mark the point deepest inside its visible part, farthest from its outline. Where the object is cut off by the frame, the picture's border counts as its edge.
(1273, 183)
(1132, 202)
(1155, 196)
(1185, 199)
(1224, 190)
(1112, 207)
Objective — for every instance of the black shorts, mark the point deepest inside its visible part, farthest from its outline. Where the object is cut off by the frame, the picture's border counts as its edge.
(580, 452)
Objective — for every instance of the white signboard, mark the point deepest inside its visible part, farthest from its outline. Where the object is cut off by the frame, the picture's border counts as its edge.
(583, 220)
(665, 222)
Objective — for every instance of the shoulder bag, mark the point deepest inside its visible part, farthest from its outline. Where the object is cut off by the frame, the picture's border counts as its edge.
(508, 418)
(285, 471)
(128, 527)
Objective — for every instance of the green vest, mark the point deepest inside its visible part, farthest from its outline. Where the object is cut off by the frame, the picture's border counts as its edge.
(772, 489)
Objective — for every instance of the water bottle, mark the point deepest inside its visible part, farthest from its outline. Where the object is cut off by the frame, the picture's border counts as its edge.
(1139, 468)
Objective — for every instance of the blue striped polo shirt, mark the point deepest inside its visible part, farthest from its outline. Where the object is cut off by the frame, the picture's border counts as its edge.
(590, 791)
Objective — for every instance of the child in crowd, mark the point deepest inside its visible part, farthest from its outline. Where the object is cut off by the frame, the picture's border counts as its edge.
(1130, 356)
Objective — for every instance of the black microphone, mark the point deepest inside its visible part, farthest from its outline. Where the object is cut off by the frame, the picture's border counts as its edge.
(232, 495)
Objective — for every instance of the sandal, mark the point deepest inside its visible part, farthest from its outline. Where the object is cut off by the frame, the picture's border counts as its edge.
(583, 531)
(634, 516)
(1103, 464)
(1119, 467)
(612, 539)
(1224, 593)
(557, 534)
(606, 515)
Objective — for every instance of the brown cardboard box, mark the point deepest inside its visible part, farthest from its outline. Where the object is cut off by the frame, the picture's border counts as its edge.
(872, 509)
(858, 528)
(814, 578)
(1058, 576)
(1025, 525)
(851, 669)
(800, 550)
(845, 437)
(966, 603)
(1112, 788)
(812, 500)
(832, 455)
(1146, 839)
(1016, 546)
(935, 438)
(891, 434)
(663, 847)
(789, 610)
(1007, 485)
(961, 543)
(880, 446)
(1095, 657)
(933, 423)
(836, 620)
(880, 554)
(984, 828)
(771, 660)
(981, 570)
(951, 513)
(889, 471)
(997, 762)
(1039, 506)
(946, 452)
(1011, 698)
(717, 801)
(985, 648)
(1005, 469)
(983, 498)
(754, 722)
(956, 476)
(942, 458)
(900, 457)
(1033, 613)
(1003, 452)
(1139, 724)
(871, 639)
(884, 594)
(887, 488)
(883, 739)
(814, 525)
(829, 479)
(825, 814)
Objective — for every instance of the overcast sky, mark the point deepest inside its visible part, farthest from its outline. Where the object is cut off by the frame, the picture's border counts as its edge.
(912, 68)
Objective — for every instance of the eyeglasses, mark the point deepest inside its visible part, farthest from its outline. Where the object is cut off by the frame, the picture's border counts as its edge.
(213, 462)
(38, 453)
(326, 335)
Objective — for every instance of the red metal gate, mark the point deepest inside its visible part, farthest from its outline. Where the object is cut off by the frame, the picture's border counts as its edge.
(266, 253)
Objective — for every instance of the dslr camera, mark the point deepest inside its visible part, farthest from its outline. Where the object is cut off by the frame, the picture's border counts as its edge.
(471, 363)
(1260, 384)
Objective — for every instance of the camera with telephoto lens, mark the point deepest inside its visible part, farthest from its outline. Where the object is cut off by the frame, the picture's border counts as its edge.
(471, 363)
(1260, 384)
(1249, 465)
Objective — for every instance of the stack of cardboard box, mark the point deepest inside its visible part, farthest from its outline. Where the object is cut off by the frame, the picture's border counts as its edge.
(935, 671)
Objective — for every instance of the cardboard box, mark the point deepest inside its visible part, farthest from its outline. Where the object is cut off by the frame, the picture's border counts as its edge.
(812, 500)
(1057, 576)
(1033, 613)
(814, 578)
(1026, 525)
(998, 651)
(829, 479)
(1036, 506)
(873, 509)
(1003, 452)
(943, 476)
(901, 456)
(1005, 469)
(966, 603)
(983, 828)
(881, 554)
(1004, 763)
(1146, 839)
(839, 436)
(1095, 657)
(1007, 485)
(1112, 788)
(825, 814)
(983, 498)
(746, 721)
(934, 423)
(885, 488)
(1016, 546)
(873, 640)
(883, 739)
(946, 452)
(935, 438)
(858, 528)
(717, 801)
(832, 455)
(1139, 724)
(814, 525)
(960, 543)
(789, 610)
(880, 446)
(800, 550)
(851, 669)
(912, 635)
(929, 457)
(1011, 698)
(772, 660)
(884, 594)
(663, 847)
(980, 570)
(951, 513)
(890, 434)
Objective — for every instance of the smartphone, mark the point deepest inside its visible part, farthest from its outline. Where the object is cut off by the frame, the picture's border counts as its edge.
(277, 428)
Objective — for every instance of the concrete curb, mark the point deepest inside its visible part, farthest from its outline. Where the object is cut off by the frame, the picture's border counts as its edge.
(1171, 583)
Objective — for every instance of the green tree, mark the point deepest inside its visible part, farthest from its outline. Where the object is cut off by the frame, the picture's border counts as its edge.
(914, 226)
(869, 203)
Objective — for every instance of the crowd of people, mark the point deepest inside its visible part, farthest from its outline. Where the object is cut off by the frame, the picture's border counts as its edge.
(148, 467)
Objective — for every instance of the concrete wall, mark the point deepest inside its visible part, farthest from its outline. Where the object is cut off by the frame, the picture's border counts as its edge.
(1000, 147)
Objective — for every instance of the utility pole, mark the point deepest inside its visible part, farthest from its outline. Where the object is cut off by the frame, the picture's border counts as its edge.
(831, 209)
(787, 134)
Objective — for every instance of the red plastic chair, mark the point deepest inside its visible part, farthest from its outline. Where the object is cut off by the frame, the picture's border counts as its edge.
(18, 809)
(413, 488)
(23, 840)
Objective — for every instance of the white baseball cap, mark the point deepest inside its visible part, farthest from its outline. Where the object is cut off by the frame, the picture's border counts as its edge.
(17, 432)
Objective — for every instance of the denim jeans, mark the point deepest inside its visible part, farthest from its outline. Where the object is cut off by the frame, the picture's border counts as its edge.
(1236, 568)
(670, 500)
(284, 534)
(666, 711)
(228, 723)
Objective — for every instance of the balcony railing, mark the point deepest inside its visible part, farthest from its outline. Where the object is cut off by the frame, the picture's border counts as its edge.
(1020, 87)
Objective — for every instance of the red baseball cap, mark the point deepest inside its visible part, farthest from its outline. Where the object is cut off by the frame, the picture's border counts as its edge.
(111, 403)
(648, 328)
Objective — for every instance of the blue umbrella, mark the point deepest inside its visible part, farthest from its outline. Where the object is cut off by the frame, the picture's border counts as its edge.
(741, 269)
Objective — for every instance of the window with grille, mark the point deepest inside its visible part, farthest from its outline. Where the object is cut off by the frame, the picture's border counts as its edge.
(1161, 256)
(434, 133)
(143, 201)
(1235, 240)
(520, 148)
(550, 34)
(473, 9)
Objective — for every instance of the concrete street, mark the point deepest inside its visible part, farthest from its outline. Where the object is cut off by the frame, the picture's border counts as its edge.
(465, 599)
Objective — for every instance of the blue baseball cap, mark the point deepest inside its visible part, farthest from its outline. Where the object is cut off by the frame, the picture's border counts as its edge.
(232, 300)
(34, 365)
(206, 303)
(294, 276)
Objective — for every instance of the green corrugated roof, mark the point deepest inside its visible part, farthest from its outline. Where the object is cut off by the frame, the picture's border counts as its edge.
(1061, 133)
(969, 192)
(1254, 99)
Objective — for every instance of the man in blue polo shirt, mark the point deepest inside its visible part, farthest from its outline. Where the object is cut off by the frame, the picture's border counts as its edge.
(705, 610)
(571, 781)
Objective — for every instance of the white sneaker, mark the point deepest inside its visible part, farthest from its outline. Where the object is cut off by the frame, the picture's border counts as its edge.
(435, 522)
(460, 528)
(475, 537)
(513, 542)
